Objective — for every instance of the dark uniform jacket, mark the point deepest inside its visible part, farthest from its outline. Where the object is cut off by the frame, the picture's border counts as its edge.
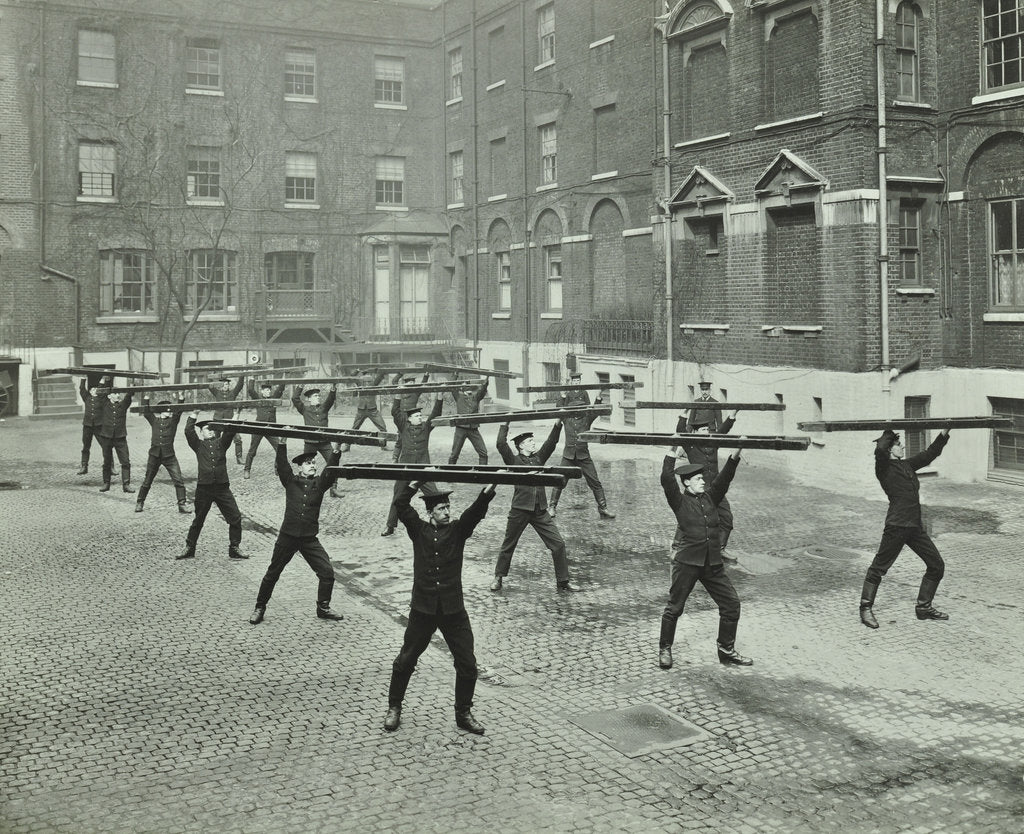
(437, 553)
(696, 541)
(468, 401)
(900, 482)
(529, 498)
(163, 430)
(575, 449)
(93, 415)
(213, 468)
(220, 395)
(303, 496)
(712, 415)
(314, 415)
(114, 422)
(266, 409)
(415, 439)
(410, 400)
(707, 456)
(368, 402)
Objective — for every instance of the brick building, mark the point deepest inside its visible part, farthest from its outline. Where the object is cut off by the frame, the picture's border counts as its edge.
(501, 175)
(786, 161)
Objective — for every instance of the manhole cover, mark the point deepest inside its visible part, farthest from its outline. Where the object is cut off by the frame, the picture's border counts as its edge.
(638, 730)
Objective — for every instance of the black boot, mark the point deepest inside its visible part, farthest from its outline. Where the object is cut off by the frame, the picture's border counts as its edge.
(324, 612)
(257, 614)
(188, 553)
(235, 552)
(182, 500)
(464, 720)
(867, 600)
(665, 657)
(105, 487)
(126, 479)
(84, 468)
(602, 504)
(728, 656)
(393, 719)
(556, 493)
(925, 595)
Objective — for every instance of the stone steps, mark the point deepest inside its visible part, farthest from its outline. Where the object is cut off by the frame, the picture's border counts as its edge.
(56, 398)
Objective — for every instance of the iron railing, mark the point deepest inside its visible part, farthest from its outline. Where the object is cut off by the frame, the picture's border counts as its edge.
(297, 304)
(617, 336)
(398, 329)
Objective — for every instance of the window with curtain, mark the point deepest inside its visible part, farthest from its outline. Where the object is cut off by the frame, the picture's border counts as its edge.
(97, 166)
(300, 73)
(212, 275)
(388, 80)
(97, 57)
(300, 177)
(126, 283)
(390, 181)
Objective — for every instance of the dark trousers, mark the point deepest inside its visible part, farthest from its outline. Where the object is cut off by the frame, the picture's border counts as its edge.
(457, 633)
(893, 541)
(542, 522)
(472, 434)
(316, 557)
(719, 587)
(724, 522)
(168, 462)
(589, 471)
(323, 448)
(254, 443)
(364, 414)
(206, 496)
(109, 445)
(88, 432)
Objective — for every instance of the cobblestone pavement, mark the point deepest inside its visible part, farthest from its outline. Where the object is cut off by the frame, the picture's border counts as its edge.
(137, 698)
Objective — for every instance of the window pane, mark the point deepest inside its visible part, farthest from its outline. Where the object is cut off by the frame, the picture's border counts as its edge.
(96, 169)
(202, 65)
(1002, 226)
(299, 72)
(389, 76)
(96, 57)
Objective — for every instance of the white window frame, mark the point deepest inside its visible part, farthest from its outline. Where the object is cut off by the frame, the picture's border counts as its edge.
(97, 161)
(300, 74)
(458, 165)
(1011, 257)
(202, 174)
(112, 282)
(389, 81)
(546, 34)
(553, 281)
(227, 281)
(989, 45)
(201, 56)
(455, 74)
(300, 170)
(503, 261)
(909, 243)
(97, 58)
(389, 181)
(414, 287)
(548, 154)
(908, 64)
(382, 289)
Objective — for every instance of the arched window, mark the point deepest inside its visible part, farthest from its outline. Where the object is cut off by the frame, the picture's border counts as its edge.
(908, 68)
(700, 70)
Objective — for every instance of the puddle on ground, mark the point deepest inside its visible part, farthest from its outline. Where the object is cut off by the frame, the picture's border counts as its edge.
(943, 519)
